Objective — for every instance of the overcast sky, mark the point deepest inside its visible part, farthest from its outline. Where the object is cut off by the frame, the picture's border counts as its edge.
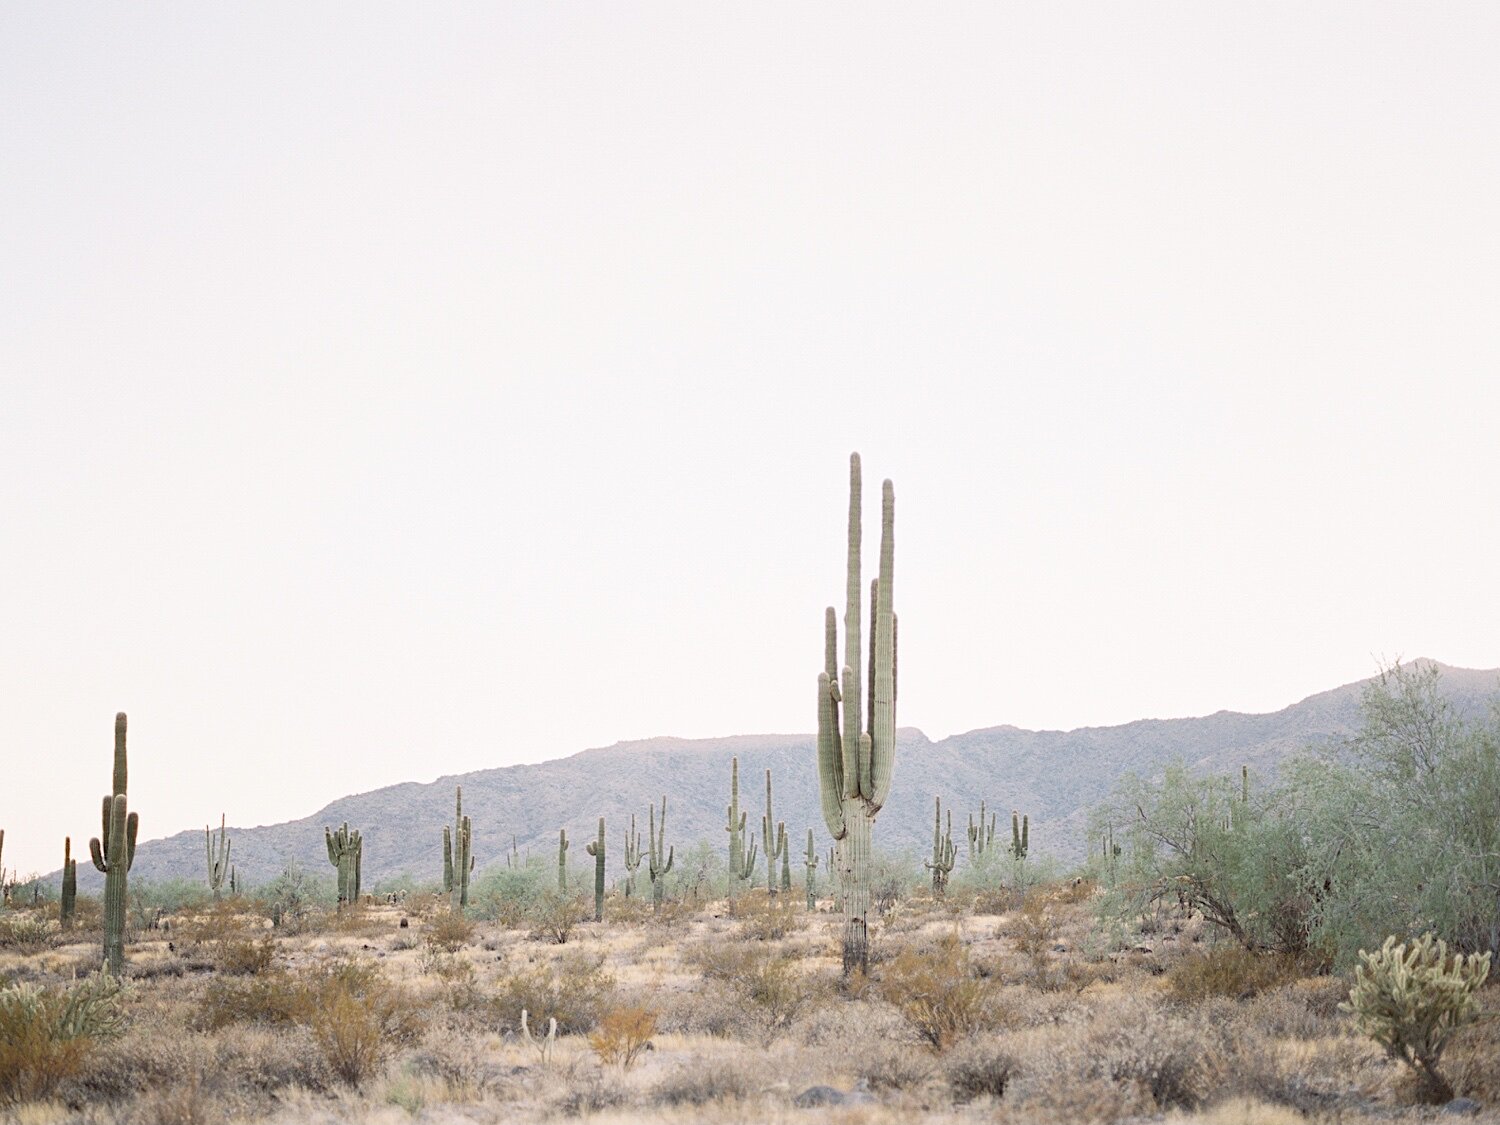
(396, 390)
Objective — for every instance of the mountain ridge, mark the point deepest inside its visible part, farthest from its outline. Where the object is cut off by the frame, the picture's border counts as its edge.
(1053, 775)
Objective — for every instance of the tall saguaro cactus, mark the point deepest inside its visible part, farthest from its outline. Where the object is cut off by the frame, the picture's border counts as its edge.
(856, 757)
(218, 858)
(458, 855)
(943, 851)
(981, 838)
(632, 856)
(811, 863)
(659, 862)
(113, 853)
(596, 849)
(562, 859)
(69, 898)
(773, 833)
(1020, 834)
(345, 849)
(741, 866)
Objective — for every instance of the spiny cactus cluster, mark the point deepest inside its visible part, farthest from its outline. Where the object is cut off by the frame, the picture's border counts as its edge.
(458, 855)
(218, 858)
(113, 853)
(857, 756)
(345, 851)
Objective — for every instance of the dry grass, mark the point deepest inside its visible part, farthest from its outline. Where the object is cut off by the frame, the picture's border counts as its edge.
(716, 1015)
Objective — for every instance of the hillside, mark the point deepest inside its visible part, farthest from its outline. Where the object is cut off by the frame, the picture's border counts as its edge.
(1055, 776)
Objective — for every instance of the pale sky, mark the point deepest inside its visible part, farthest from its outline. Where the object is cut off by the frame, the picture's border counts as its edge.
(389, 391)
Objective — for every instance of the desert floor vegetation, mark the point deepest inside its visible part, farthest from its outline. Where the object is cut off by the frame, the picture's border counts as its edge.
(728, 1012)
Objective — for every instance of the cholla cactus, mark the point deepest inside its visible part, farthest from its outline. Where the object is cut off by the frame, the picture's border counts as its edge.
(857, 738)
(1411, 998)
(943, 851)
(218, 857)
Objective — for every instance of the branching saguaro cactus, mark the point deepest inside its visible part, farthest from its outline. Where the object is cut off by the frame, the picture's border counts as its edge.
(774, 835)
(345, 849)
(114, 853)
(632, 856)
(1020, 834)
(218, 857)
(458, 855)
(68, 901)
(856, 757)
(981, 837)
(659, 862)
(810, 861)
(596, 849)
(741, 855)
(943, 851)
(562, 859)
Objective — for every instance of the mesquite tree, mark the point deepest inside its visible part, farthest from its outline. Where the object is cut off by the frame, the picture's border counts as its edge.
(856, 756)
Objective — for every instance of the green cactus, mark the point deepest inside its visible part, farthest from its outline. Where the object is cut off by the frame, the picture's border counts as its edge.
(982, 835)
(741, 866)
(656, 868)
(562, 860)
(69, 898)
(811, 863)
(513, 857)
(775, 841)
(345, 849)
(4, 883)
(855, 766)
(943, 851)
(113, 853)
(458, 855)
(218, 858)
(1020, 835)
(596, 849)
(234, 881)
(632, 856)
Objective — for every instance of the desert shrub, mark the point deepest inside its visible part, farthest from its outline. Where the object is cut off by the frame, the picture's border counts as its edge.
(938, 992)
(151, 899)
(770, 980)
(505, 894)
(290, 898)
(573, 990)
(1170, 1058)
(1411, 997)
(892, 1066)
(553, 914)
(704, 1081)
(622, 1034)
(980, 1068)
(356, 1029)
(448, 932)
(273, 997)
(764, 917)
(591, 1092)
(243, 956)
(449, 1056)
(46, 1034)
(1232, 971)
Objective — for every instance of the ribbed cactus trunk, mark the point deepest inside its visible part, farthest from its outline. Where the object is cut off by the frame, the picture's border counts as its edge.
(68, 901)
(218, 858)
(632, 856)
(736, 829)
(941, 863)
(458, 855)
(562, 860)
(113, 852)
(596, 849)
(811, 863)
(659, 860)
(344, 852)
(855, 760)
(773, 833)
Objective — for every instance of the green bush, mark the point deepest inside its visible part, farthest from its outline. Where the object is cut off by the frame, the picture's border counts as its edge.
(1412, 997)
(46, 1033)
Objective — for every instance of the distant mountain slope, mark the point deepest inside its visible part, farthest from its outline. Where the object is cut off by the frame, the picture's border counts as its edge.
(1055, 776)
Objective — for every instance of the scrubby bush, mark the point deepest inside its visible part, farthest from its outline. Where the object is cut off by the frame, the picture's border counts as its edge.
(46, 1033)
(622, 1034)
(770, 981)
(939, 992)
(573, 990)
(1231, 971)
(1411, 997)
(980, 1068)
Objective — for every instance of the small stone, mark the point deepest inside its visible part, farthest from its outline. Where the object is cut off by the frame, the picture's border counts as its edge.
(1462, 1107)
(1059, 948)
(815, 1096)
